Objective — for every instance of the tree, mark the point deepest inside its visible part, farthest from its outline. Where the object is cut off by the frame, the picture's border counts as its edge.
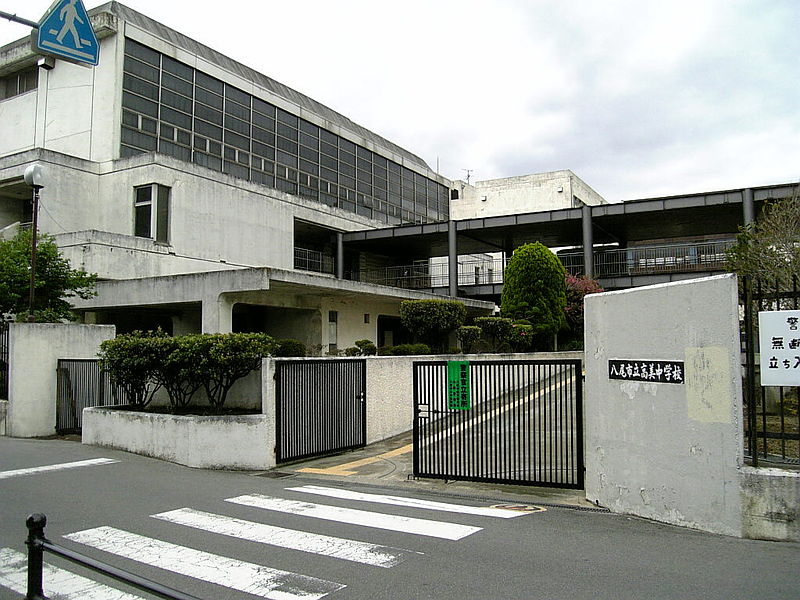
(431, 321)
(577, 288)
(769, 249)
(56, 280)
(534, 290)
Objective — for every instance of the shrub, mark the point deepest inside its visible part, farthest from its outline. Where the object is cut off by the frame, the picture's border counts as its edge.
(352, 351)
(431, 321)
(366, 348)
(577, 289)
(131, 361)
(175, 368)
(290, 347)
(495, 330)
(468, 336)
(520, 337)
(535, 290)
(405, 350)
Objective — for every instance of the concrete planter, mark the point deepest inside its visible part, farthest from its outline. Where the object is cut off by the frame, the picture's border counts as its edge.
(208, 442)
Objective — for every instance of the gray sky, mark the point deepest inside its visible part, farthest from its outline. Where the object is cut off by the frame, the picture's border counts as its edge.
(640, 98)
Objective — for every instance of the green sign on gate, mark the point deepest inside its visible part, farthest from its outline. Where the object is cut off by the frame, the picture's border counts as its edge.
(458, 388)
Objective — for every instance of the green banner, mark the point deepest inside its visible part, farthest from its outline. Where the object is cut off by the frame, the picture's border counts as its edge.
(458, 388)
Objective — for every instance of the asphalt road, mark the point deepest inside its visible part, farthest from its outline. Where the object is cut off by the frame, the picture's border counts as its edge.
(559, 553)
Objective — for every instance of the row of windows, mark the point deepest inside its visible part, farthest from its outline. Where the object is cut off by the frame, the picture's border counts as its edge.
(171, 108)
(19, 82)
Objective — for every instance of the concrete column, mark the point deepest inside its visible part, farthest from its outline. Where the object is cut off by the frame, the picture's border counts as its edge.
(452, 258)
(747, 206)
(217, 314)
(339, 256)
(588, 241)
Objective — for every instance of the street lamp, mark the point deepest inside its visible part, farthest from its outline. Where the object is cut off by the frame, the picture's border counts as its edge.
(34, 177)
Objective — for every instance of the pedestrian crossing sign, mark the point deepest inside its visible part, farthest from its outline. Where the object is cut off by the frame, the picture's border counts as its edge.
(66, 31)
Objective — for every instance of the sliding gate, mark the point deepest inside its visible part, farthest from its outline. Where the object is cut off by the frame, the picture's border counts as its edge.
(514, 422)
(320, 407)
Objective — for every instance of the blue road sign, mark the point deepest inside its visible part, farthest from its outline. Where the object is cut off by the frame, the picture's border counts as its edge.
(65, 30)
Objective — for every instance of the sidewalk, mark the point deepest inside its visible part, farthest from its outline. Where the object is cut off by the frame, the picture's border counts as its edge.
(389, 463)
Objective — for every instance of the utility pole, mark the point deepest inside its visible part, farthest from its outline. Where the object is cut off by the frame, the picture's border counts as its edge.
(34, 177)
(469, 172)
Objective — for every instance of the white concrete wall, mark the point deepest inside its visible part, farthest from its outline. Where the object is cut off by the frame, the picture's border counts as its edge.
(19, 125)
(663, 451)
(771, 504)
(34, 350)
(215, 442)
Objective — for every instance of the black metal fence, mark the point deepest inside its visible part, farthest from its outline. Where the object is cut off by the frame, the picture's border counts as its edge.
(38, 544)
(320, 407)
(523, 423)
(772, 418)
(81, 383)
(4, 367)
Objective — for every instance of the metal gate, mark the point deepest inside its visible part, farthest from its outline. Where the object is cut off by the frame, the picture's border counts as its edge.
(4, 370)
(320, 407)
(81, 383)
(522, 423)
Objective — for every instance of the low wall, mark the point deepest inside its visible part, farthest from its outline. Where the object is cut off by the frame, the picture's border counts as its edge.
(213, 442)
(663, 450)
(3, 409)
(33, 353)
(770, 504)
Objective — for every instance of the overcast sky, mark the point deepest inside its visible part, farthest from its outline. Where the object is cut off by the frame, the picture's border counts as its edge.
(640, 98)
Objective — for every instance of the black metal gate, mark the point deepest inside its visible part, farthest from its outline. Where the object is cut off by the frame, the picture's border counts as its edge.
(4, 370)
(523, 426)
(320, 407)
(81, 383)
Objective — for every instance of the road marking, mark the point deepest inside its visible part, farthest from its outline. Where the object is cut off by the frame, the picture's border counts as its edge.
(360, 552)
(57, 583)
(346, 469)
(229, 572)
(438, 529)
(483, 511)
(58, 467)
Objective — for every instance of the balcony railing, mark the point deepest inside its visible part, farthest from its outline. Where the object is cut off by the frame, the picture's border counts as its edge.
(676, 258)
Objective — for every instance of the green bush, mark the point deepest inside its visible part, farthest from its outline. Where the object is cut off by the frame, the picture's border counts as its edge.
(520, 337)
(352, 351)
(468, 336)
(534, 289)
(131, 361)
(366, 348)
(289, 347)
(431, 321)
(404, 350)
(495, 331)
(175, 368)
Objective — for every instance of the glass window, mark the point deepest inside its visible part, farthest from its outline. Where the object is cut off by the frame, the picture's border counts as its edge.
(209, 114)
(329, 149)
(208, 130)
(176, 84)
(309, 153)
(209, 98)
(143, 70)
(263, 136)
(263, 150)
(327, 136)
(309, 167)
(286, 159)
(287, 145)
(182, 103)
(237, 125)
(263, 107)
(170, 65)
(237, 110)
(142, 52)
(237, 95)
(151, 212)
(287, 131)
(347, 145)
(267, 123)
(139, 104)
(209, 83)
(287, 118)
(138, 139)
(234, 139)
(309, 140)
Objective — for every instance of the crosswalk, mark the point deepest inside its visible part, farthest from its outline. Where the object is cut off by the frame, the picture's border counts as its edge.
(261, 580)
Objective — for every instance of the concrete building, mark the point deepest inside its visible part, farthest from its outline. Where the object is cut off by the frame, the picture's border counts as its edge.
(209, 197)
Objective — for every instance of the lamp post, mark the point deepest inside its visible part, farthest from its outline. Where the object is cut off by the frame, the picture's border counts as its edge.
(34, 177)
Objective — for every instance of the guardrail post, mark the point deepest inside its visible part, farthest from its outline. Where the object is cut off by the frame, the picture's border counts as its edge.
(35, 524)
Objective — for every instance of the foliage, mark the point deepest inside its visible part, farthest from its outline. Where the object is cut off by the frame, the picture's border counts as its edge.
(361, 348)
(431, 321)
(520, 337)
(769, 249)
(289, 347)
(55, 282)
(495, 331)
(142, 363)
(535, 289)
(468, 336)
(222, 359)
(577, 288)
(405, 350)
(131, 362)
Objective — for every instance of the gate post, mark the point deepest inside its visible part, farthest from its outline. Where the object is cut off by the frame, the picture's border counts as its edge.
(35, 524)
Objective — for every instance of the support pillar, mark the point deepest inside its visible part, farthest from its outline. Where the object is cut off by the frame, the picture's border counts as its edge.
(452, 259)
(588, 241)
(748, 212)
(339, 256)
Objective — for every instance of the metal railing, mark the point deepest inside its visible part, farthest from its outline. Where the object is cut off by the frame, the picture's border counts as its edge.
(38, 544)
(80, 383)
(313, 260)
(674, 258)
(772, 414)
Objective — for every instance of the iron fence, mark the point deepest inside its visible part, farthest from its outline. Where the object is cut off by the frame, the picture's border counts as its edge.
(320, 407)
(81, 383)
(522, 423)
(772, 418)
(313, 260)
(4, 366)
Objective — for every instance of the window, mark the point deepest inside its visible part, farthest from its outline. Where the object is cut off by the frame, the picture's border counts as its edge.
(151, 212)
(18, 83)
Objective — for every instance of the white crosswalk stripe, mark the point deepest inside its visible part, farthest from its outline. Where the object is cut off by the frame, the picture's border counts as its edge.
(352, 550)
(236, 574)
(57, 467)
(463, 509)
(57, 583)
(438, 529)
